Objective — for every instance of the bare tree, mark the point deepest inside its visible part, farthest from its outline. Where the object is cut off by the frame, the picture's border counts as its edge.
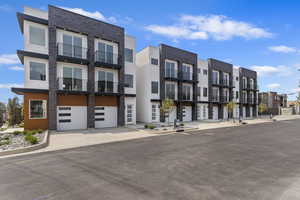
(14, 111)
(167, 107)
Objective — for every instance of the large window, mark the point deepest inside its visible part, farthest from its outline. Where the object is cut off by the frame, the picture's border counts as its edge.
(106, 54)
(37, 109)
(72, 46)
(204, 71)
(37, 71)
(170, 90)
(154, 87)
(204, 92)
(106, 81)
(187, 72)
(128, 55)
(72, 79)
(37, 36)
(215, 77)
(170, 70)
(226, 79)
(129, 80)
(186, 92)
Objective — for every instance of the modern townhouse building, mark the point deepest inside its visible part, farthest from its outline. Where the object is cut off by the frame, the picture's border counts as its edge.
(220, 84)
(248, 93)
(202, 90)
(166, 72)
(79, 72)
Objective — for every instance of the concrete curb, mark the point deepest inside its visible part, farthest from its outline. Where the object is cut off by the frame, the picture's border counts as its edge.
(173, 131)
(43, 144)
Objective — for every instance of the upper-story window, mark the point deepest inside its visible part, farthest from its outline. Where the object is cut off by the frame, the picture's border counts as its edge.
(106, 82)
(37, 71)
(170, 70)
(237, 78)
(72, 46)
(199, 70)
(37, 36)
(72, 79)
(205, 92)
(251, 83)
(129, 80)
(215, 77)
(170, 90)
(187, 72)
(105, 52)
(128, 55)
(204, 71)
(154, 61)
(226, 79)
(244, 82)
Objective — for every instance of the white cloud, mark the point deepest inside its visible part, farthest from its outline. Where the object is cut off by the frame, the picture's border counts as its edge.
(273, 85)
(16, 68)
(5, 8)
(265, 70)
(8, 59)
(283, 49)
(9, 85)
(96, 15)
(217, 27)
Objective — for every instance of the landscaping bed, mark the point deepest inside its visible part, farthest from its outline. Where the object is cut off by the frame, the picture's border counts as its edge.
(20, 139)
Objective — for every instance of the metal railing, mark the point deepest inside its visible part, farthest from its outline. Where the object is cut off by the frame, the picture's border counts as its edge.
(186, 76)
(106, 57)
(73, 51)
(243, 100)
(215, 81)
(171, 95)
(72, 84)
(224, 99)
(107, 87)
(215, 98)
(171, 74)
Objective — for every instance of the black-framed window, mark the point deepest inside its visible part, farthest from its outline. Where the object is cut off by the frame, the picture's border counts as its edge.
(154, 61)
(128, 55)
(237, 78)
(129, 80)
(198, 91)
(204, 71)
(237, 94)
(205, 92)
(154, 87)
(37, 71)
(199, 70)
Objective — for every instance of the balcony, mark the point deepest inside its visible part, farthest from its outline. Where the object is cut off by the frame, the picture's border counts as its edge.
(106, 57)
(72, 84)
(215, 98)
(186, 98)
(171, 95)
(224, 99)
(173, 74)
(107, 87)
(251, 100)
(244, 100)
(225, 82)
(72, 51)
(186, 76)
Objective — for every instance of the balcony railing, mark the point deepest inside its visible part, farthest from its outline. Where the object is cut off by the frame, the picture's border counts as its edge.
(171, 95)
(73, 51)
(224, 99)
(72, 84)
(171, 74)
(107, 87)
(215, 98)
(106, 57)
(216, 81)
(251, 100)
(188, 76)
(187, 98)
(244, 100)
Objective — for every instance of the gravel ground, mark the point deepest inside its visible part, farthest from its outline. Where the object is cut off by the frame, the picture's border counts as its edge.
(16, 141)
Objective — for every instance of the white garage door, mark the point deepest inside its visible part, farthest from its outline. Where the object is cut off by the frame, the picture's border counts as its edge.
(106, 116)
(225, 113)
(215, 113)
(187, 113)
(172, 115)
(71, 117)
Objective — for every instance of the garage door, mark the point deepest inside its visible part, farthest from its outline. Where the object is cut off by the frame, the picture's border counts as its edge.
(71, 117)
(106, 116)
(244, 112)
(187, 113)
(172, 115)
(215, 113)
(251, 112)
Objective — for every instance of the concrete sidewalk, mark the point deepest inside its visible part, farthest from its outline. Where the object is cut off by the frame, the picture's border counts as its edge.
(80, 138)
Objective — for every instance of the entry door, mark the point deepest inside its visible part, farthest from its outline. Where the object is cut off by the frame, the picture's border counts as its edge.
(215, 113)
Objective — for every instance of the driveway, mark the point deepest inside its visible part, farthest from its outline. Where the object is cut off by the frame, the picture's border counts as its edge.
(260, 161)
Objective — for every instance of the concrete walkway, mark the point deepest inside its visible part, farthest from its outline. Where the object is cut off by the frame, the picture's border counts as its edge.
(73, 139)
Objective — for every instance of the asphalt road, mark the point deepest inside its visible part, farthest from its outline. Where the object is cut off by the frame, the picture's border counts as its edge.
(253, 162)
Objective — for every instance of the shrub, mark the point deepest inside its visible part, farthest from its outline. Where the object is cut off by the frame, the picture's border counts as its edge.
(31, 139)
(4, 142)
(146, 126)
(21, 125)
(40, 130)
(30, 132)
(17, 132)
(152, 126)
(182, 124)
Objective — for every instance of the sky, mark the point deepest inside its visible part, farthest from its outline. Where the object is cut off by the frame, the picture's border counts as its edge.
(255, 34)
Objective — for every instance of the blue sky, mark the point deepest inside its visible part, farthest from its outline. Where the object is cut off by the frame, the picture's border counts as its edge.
(261, 35)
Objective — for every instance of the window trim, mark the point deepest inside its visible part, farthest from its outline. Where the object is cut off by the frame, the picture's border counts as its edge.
(152, 59)
(29, 70)
(156, 82)
(129, 86)
(44, 103)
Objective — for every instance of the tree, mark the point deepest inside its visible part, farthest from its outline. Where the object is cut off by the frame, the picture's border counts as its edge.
(230, 107)
(14, 111)
(167, 107)
(262, 108)
(2, 113)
